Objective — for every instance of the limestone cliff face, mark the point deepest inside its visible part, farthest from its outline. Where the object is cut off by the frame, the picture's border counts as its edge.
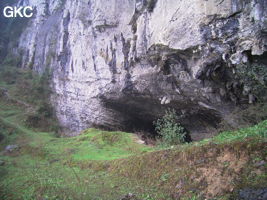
(119, 64)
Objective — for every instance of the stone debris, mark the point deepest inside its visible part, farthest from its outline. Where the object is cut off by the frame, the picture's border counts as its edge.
(11, 148)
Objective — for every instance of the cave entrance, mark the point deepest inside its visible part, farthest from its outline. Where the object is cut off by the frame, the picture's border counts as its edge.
(137, 115)
(144, 129)
(140, 125)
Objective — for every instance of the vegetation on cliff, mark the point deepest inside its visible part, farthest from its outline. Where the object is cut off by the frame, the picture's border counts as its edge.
(29, 89)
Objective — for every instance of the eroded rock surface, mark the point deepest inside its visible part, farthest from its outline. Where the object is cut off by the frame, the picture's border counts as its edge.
(119, 64)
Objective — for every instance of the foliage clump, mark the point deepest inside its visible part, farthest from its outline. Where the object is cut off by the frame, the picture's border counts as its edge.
(9, 71)
(169, 129)
(32, 90)
(151, 4)
(254, 78)
(43, 117)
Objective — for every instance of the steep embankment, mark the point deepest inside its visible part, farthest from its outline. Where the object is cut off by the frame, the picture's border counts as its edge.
(108, 165)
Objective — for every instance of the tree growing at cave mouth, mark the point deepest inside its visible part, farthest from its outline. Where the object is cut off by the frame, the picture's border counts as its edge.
(169, 129)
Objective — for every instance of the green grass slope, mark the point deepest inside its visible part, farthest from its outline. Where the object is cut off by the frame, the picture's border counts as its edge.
(44, 166)
(101, 165)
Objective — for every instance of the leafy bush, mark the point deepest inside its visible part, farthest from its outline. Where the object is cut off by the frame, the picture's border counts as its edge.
(9, 71)
(45, 110)
(254, 77)
(32, 90)
(39, 91)
(168, 128)
(11, 61)
(1, 137)
(43, 118)
(33, 120)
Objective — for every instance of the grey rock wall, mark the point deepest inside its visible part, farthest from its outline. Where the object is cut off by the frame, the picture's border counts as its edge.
(118, 64)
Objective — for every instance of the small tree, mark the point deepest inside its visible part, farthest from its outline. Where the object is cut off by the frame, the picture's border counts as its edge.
(169, 129)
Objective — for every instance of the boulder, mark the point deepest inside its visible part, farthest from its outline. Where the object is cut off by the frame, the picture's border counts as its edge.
(11, 148)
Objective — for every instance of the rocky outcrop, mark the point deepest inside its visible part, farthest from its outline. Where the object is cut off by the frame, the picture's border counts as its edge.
(119, 64)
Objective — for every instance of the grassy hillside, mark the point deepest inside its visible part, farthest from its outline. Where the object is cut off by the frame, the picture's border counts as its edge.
(109, 165)
(45, 165)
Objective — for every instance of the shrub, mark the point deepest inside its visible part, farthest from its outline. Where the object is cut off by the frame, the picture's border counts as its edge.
(1, 137)
(168, 128)
(9, 74)
(39, 88)
(11, 60)
(32, 89)
(254, 77)
(41, 122)
(33, 120)
(45, 110)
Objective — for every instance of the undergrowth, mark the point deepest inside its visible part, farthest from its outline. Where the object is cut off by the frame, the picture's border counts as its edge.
(108, 165)
(50, 167)
(30, 90)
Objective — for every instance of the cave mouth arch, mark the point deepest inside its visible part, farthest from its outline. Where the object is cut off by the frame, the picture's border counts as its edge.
(138, 117)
